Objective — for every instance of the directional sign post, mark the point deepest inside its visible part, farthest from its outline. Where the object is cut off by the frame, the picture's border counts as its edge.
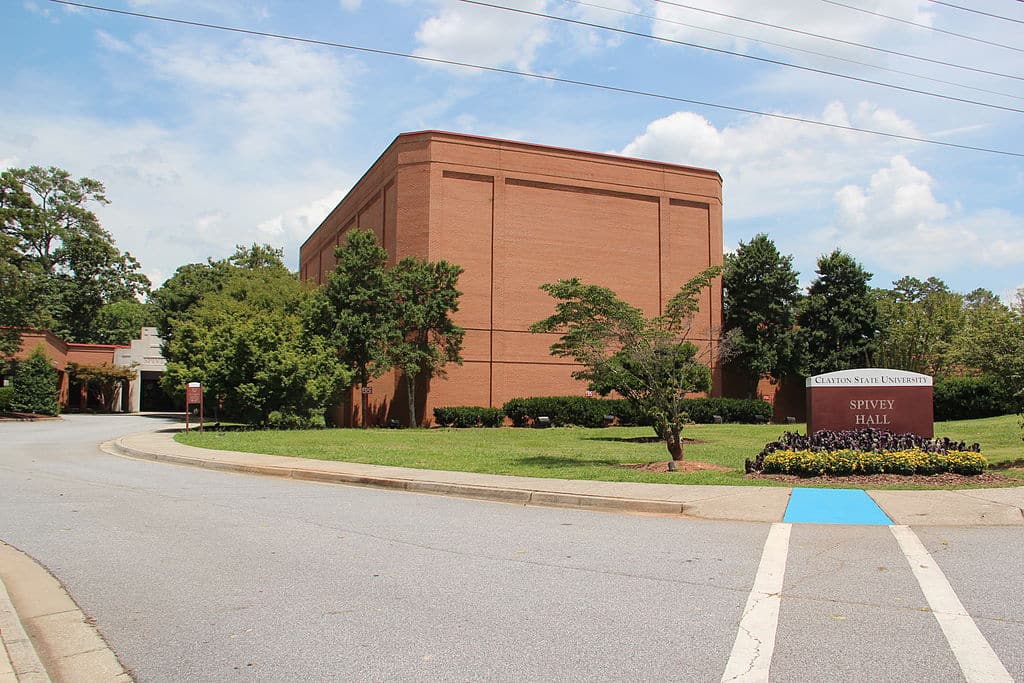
(193, 397)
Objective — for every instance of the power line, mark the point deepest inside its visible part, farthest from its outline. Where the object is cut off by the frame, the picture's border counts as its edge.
(841, 41)
(764, 60)
(794, 48)
(977, 11)
(535, 76)
(924, 26)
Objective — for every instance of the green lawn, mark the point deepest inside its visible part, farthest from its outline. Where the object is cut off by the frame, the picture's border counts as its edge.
(566, 453)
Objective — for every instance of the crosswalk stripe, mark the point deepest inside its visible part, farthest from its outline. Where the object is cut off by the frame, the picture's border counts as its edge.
(977, 659)
(751, 655)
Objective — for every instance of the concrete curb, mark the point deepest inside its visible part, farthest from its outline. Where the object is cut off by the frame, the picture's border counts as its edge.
(20, 662)
(45, 631)
(967, 507)
(516, 496)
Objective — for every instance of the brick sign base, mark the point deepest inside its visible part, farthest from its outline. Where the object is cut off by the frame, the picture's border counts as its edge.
(893, 400)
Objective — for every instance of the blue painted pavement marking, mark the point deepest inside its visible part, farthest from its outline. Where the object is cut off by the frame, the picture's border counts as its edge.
(834, 506)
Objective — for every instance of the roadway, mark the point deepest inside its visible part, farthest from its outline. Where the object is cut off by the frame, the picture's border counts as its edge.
(193, 574)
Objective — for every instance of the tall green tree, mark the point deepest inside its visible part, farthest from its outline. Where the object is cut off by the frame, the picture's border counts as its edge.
(15, 298)
(918, 320)
(246, 343)
(68, 261)
(991, 343)
(838, 319)
(425, 297)
(648, 361)
(355, 310)
(759, 311)
(122, 321)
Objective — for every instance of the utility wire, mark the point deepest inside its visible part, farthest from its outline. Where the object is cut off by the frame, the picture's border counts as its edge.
(794, 48)
(840, 40)
(977, 11)
(733, 53)
(535, 76)
(924, 26)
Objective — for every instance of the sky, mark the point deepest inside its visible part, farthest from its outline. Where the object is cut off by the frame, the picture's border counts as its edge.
(207, 138)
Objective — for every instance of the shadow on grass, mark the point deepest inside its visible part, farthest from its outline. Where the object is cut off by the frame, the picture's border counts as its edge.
(636, 439)
(554, 462)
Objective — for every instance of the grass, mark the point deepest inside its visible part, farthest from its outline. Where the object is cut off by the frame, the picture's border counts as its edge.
(566, 453)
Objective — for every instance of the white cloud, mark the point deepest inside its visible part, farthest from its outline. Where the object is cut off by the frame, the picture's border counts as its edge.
(484, 35)
(897, 219)
(298, 222)
(817, 18)
(350, 5)
(772, 166)
(111, 43)
(173, 202)
(256, 91)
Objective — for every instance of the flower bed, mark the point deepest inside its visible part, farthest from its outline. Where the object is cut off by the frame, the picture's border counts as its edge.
(849, 462)
(865, 452)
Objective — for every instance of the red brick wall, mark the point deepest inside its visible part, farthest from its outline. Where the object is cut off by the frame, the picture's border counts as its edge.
(515, 216)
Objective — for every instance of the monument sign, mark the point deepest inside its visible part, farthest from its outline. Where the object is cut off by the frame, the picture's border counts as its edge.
(893, 400)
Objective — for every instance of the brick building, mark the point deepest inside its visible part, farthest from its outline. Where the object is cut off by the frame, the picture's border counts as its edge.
(515, 216)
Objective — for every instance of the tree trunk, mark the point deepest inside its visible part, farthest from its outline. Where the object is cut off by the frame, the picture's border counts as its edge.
(674, 441)
(365, 400)
(410, 388)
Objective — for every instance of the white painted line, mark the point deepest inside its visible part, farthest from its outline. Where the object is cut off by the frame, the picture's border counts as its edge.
(976, 658)
(755, 641)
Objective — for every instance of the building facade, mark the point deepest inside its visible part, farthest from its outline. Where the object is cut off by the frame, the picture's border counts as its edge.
(515, 216)
(143, 355)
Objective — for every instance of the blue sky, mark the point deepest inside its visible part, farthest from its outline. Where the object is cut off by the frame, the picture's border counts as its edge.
(207, 138)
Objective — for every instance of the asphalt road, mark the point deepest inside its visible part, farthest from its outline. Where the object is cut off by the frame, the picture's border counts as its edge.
(200, 575)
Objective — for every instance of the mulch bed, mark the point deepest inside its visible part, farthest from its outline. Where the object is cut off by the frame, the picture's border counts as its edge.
(877, 480)
(27, 417)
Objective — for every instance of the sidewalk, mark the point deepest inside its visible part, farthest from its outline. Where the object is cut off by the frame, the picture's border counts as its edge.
(43, 633)
(969, 507)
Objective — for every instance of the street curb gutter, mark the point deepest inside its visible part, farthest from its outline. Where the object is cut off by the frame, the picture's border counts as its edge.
(45, 632)
(20, 657)
(491, 493)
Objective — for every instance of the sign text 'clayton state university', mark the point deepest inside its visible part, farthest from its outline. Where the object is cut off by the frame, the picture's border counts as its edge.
(893, 400)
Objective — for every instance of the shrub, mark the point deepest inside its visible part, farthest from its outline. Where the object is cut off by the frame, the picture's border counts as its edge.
(581, 411)
(847, 462)
(740, 410)
(35, 385)
(6, 397)
(858, 449)
(468, 416)
(968, 398)
(286, 420)
(589, 412)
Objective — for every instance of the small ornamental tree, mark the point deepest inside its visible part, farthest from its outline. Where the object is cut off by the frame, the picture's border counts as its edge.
(104, 379)
(648, 361)
(35, 385)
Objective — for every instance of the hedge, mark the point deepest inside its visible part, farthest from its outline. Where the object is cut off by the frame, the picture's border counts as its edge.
(468, 416)
(969, 398)
(35, 385)
(584, 411)
(6, 398)
(848, 462)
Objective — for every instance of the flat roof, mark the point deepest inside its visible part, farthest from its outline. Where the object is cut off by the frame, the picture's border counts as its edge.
(507, 143)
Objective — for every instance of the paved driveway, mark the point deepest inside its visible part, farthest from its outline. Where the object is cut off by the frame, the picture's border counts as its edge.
(200, 575)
